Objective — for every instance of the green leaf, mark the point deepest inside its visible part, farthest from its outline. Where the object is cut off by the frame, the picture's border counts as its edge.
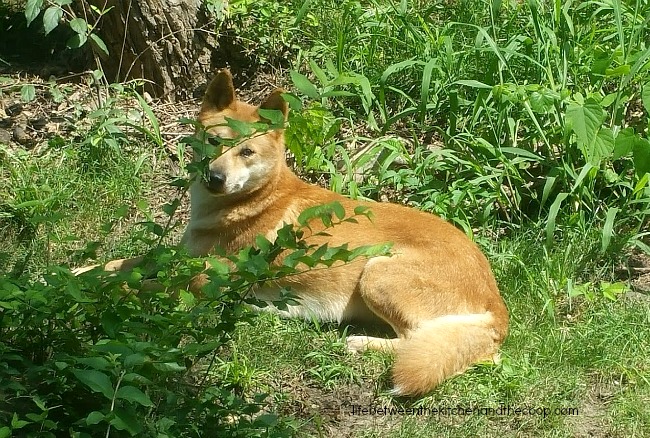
(425, 85)
(134, 360)
(543, 100)
(27, 93)
(603, 146)
(126, 420)
(242, 128)
(17, 423)
(552, 215)
(621, 70)
(79, 26)
(266, 420)
(99, 44)
(96, 363)
(624, 144)
(304, 85)
(76, 41)
(338, 209)
(51, 18)
(133, 394)
(608, 228)
(586, 121)
(645, 97)
(642, 157)
(612, 290)
(168, 366)
(111, 322)
(32, 9)
(324, 212)
(474, 84)
(62, 2)
(294, 102)
(94, 418)
(627, 141)
(5, 432)
(96, 381)
(275, 117)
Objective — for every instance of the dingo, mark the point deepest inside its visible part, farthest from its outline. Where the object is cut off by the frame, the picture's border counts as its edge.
(436, 289)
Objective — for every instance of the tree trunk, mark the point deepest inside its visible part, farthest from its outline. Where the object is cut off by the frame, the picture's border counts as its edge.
(168, 43)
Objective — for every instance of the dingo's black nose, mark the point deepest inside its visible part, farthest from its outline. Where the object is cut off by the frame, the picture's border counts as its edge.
(216, 180)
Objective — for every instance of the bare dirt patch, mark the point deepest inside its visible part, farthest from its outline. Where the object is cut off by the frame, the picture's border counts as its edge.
(330, 411)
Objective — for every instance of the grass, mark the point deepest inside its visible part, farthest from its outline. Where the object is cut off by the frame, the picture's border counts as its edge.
(524, 123)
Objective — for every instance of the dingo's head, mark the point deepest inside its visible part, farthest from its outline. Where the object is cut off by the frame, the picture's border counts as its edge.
(246, 162)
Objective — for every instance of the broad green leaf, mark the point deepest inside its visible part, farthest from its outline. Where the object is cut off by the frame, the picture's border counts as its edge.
(32, 9)
(603, 146)
(96, 381)
(543, 101)
(624, 144)
(96, 363)
(76, 41)
(5, 432)
(94, 418)
(62, 2)
(586, 121)
(99, 43)
(242, 128)
(16, 423)
(608, 100)
(304, 85)
(266, 420)
(338, 209)
(275, 117)
(79, 26)
(621, 70)
(294, 102)
(51, 18)
(262, 243)
(612, 290)
(136, 378)
(133, 394)
(126, 420)
(27, 93)
(642, 157)
(627, 141)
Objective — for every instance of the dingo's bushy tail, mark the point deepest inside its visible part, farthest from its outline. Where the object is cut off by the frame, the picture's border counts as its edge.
(444, 347)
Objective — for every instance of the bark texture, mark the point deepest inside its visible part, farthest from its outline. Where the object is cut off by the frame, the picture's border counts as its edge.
(168, 43)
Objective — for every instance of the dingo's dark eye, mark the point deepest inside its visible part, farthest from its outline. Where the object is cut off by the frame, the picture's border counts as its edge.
(246, 152)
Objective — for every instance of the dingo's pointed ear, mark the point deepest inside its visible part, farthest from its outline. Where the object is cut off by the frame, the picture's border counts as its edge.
(220, 93)
(276, 102)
